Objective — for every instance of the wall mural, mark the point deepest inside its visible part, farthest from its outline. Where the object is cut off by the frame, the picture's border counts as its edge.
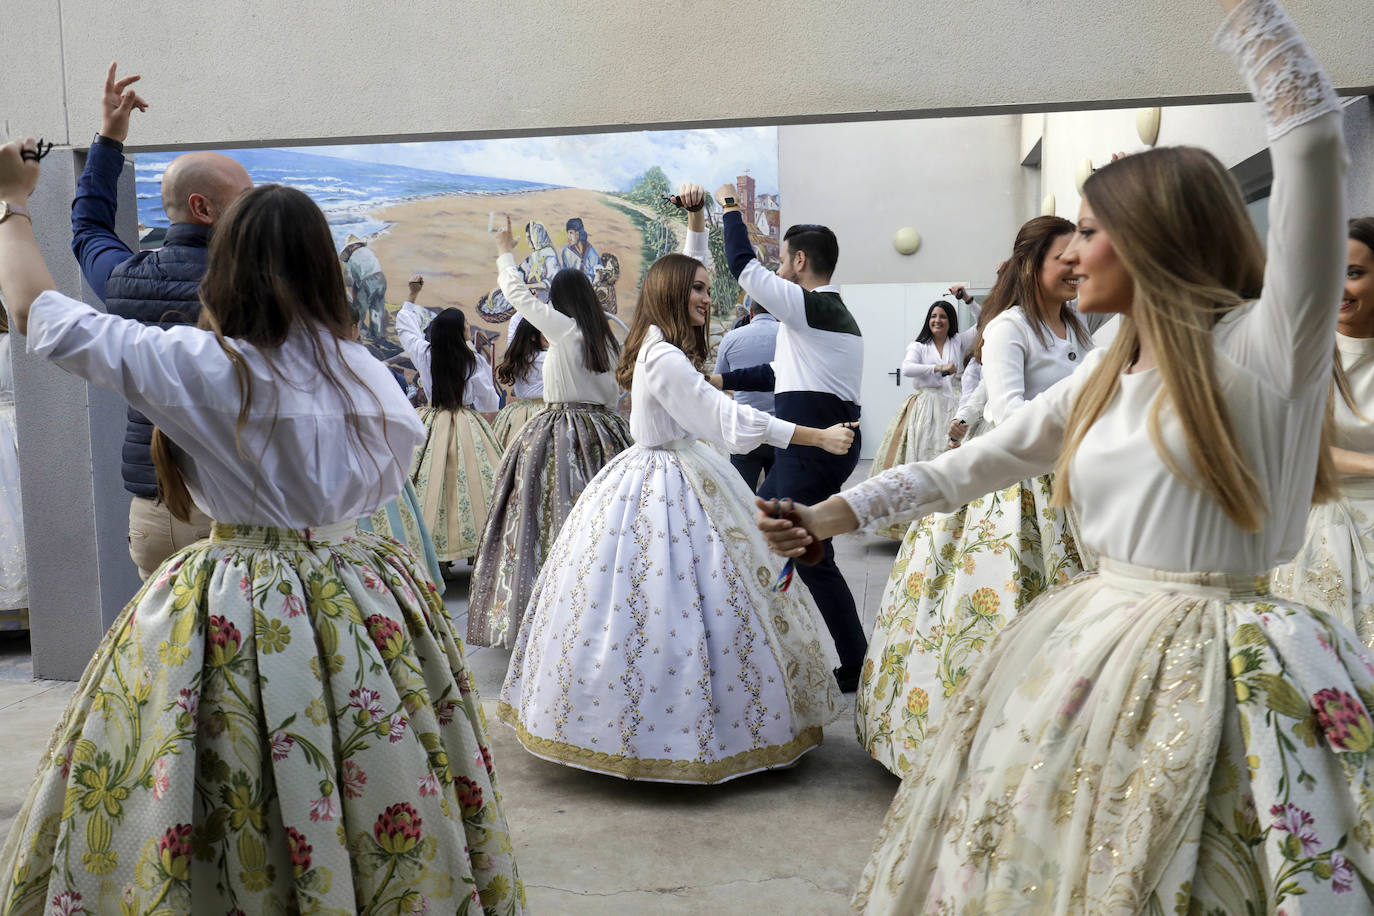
(595, 202)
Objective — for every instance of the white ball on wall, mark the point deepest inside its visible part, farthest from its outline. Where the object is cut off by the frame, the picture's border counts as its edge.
(1047, 206)
(907, 240)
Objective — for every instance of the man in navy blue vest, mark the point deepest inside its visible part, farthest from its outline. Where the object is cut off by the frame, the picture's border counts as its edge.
(815, 378)
(156, 287)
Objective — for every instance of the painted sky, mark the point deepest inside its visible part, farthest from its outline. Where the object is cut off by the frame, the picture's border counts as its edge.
(603, 162)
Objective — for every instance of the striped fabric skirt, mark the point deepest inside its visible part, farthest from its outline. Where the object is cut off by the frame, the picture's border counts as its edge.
(453, 473)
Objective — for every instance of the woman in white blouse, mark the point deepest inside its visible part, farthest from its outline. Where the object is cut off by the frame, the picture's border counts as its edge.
(654, 646)
(1334, 571)
(934, 362)
(522, 372)
(1164, 736)
(282, 717)
(454, 472)
(549, 463)
(959, 577)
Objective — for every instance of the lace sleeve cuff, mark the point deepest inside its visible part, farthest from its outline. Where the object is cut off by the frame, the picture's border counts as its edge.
(900, 494)
(1279, 69)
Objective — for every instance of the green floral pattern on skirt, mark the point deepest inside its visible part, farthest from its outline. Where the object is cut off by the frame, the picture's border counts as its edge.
(281, 721)
(1144, 742)
(957, 580)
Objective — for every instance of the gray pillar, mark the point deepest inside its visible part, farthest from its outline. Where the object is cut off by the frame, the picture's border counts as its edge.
(70, 434)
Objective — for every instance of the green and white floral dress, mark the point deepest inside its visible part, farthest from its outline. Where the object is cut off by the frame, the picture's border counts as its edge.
(282, 720)
(1163, 736)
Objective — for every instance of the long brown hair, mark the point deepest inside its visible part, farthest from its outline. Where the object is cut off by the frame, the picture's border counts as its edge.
(1018, 282)
(525, 344)
(1177, 221)
(573, 294)
(664, 300)
(272, 269)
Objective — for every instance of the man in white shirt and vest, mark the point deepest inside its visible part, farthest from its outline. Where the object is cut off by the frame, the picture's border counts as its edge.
(815, 378)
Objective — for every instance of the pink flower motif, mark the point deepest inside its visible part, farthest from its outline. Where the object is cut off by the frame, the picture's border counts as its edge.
(445, 711)
(189, 701)
(369, 701)
(324, 808)
(429, 785)
(1296, 822)
(353, 779)
(397, 730)
(294, 605)
(161, 778)
(67, 758)
(1342, 875)
(67, 903)
(371, 582)
(281, 745)
(420, 906)
(1344, 719)
(246, 586)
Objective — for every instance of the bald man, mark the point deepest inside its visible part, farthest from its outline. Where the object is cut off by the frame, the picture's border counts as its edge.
(157, 286)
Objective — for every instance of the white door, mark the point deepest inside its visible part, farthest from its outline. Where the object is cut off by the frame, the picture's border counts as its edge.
(890, 316)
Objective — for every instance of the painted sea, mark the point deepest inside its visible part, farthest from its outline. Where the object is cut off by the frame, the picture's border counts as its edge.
(345, 189)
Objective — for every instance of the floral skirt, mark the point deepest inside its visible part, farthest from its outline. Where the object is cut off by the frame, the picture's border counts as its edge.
(957, 580)
(919, 432)
(1144, 742)
(654, 646)
(280, 721)
(454, 473)
(545, 470)
(513, 418)
(14, 577)
(1332, 571)
(402, 520)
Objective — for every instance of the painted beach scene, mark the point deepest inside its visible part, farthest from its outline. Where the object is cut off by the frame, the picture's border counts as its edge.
(594, 202)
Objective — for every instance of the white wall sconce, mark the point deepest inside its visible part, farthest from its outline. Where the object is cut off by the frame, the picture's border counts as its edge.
(907, 240)
(1047, 206)
(1085, 169)
(1147, 124)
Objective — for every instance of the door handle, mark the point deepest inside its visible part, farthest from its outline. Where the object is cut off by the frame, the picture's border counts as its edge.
(896, 376)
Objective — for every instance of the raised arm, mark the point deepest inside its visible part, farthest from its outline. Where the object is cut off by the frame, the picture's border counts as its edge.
(1287, 336)
(785, 300)
(98, 248)
(412, 338)
(552, 323)
(23, 275)
(692, 198)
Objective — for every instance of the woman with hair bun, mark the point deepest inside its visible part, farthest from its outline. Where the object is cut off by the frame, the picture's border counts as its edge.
(654, 646)
(1165, 735)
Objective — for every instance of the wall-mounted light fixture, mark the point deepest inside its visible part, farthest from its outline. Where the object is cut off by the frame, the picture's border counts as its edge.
(907, 240)
(1047, 206)
(1085, 169)
(1147, 125)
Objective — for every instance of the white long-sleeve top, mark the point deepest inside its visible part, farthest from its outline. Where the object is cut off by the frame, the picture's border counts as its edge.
(296, 463)
(532, 385)
(974, 395)
(921, 359)
(674, 401)
(1273, 361)
(479, 390)
(1018, 367)
(1353, 433)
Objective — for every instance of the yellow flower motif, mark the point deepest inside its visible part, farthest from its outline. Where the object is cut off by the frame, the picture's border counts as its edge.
(170, 655)
(315, 711)
(100, 863)
(968, 563)
(985, 602)
(242, 809)
(498, 888)
(273, 634)
(915, 584)
(917, 702)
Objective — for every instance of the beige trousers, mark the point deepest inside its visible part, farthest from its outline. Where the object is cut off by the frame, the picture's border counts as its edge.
(155, 534)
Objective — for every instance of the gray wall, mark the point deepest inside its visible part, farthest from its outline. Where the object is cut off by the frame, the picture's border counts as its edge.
(238, 71)
(75, 510)
(957, 181)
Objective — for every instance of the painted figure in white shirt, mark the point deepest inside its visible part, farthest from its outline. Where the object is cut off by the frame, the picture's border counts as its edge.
(522, 373)
(959, 577)
(1163, 736)
(311, 663)
(1334, 571)
(653, 646)
(550, 461)
(454, 472)
(934, 362)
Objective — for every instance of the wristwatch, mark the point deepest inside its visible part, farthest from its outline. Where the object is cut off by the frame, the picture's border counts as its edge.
(729, 202)
(8, 209)
(101, 140)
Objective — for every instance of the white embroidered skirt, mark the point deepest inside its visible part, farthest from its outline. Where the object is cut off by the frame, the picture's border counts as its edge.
(1332, 571)
(654, 647)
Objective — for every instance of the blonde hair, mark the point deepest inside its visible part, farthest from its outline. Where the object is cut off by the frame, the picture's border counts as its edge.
(664, 300)
(1177, 221)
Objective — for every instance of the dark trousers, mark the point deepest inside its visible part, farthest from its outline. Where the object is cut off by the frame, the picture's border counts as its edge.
(809, 475)
(753, 466)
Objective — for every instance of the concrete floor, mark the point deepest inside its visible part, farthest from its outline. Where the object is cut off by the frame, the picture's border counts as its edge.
(783, 842)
